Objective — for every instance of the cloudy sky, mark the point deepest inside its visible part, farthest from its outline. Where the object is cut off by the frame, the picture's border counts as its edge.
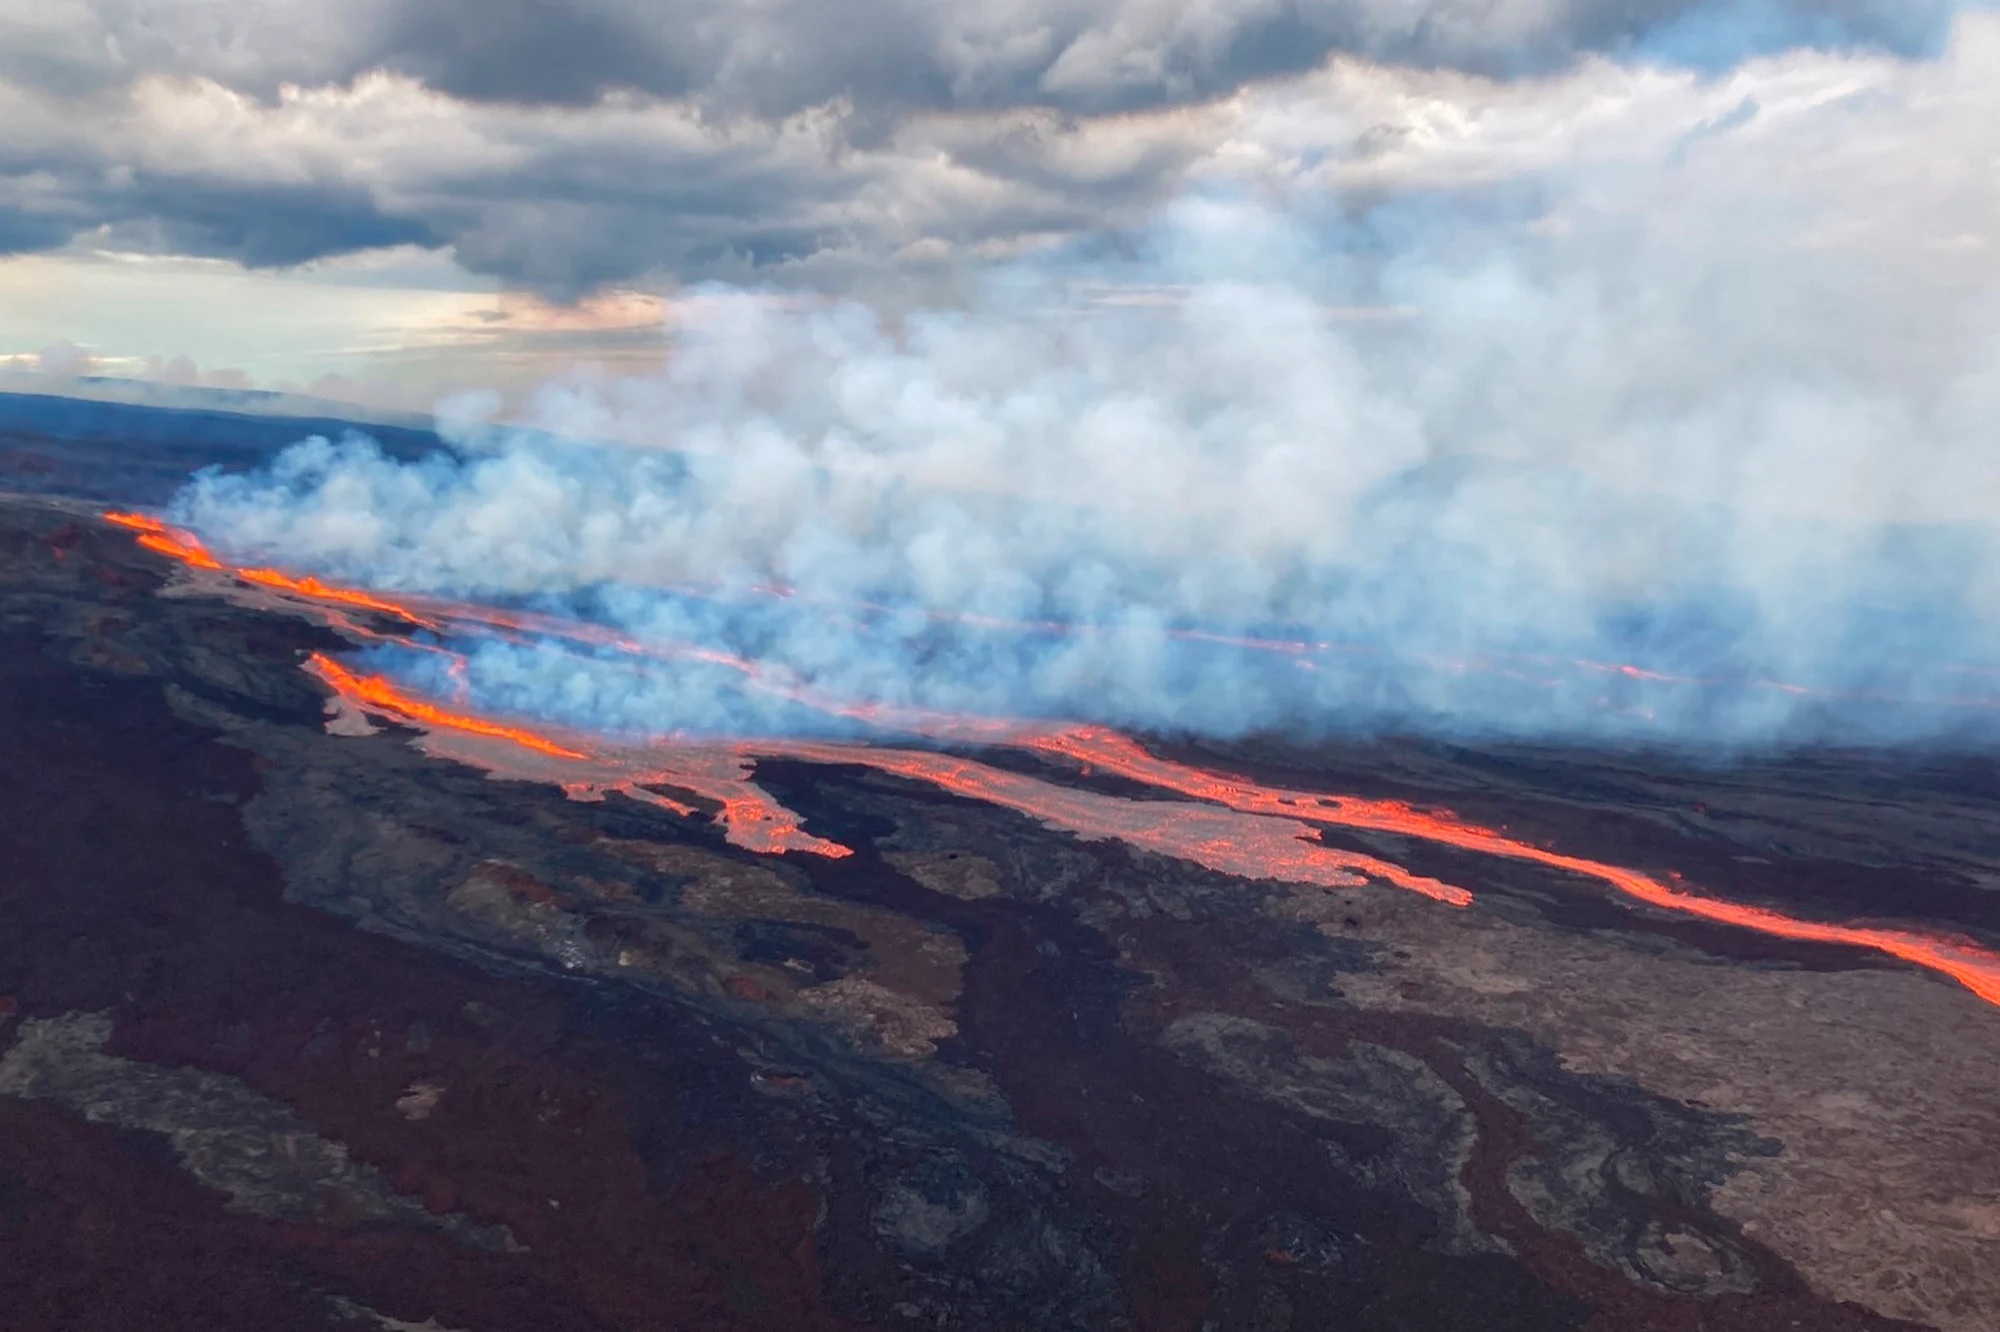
(387, 200)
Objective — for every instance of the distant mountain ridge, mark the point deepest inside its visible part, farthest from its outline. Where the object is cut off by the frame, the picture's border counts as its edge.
(131, 453)
(207, 398)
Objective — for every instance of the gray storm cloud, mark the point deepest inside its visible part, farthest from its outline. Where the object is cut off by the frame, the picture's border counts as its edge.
(774, 59)
(1721, 412)
(564, 145)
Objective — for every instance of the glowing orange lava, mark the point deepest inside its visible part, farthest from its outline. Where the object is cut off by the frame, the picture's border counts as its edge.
(1233, 824)
(1252, 846)
(170, 541)
(137, 522)
(1976, 968)
(378, 694)
(315, 590)
(750, 818)
(184, 546)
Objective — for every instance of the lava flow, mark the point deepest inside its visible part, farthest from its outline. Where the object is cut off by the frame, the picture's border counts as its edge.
(1226, 823)
(315, 590)
(1976, 968)
(156, 536)
(1249, 845)
(1231, 842)
(378, 694)
(750, 818)
(184, 546)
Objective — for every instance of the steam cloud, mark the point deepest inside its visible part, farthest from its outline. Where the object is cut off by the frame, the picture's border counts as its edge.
(1719, 407)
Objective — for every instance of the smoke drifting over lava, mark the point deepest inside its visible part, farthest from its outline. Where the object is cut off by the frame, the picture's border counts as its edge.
(1660, 454)
(1230, 824)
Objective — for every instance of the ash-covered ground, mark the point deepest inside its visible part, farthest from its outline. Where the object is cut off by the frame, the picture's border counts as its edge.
(312, 1030)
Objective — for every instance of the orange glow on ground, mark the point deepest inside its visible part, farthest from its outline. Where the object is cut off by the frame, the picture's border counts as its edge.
(315, 590)
(750, 818)
(378, 695)
(1975, 967)
(137, 522)
(157, 537)
(193, 555)
(184, 546)
(1249, 846)
(1233, 825)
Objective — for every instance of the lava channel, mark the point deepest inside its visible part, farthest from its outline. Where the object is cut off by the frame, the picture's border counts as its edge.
(1272, 834)
(1975, 967)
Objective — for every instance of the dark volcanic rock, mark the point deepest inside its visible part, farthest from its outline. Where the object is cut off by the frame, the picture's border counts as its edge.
(305, 1030)
(121, 453)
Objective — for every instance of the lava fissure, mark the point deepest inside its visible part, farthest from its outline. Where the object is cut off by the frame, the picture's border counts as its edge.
(1975, 967)
(1229, 824)
(378, 694)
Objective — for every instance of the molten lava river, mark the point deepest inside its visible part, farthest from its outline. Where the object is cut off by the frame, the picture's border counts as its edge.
(1224, 822)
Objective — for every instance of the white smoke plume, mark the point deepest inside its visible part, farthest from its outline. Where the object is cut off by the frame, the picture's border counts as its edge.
(1709, 390)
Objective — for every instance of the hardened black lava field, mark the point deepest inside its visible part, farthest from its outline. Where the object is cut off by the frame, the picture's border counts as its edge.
(307, 1026)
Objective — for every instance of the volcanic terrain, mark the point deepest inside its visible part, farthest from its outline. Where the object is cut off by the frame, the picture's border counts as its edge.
(329, 1005)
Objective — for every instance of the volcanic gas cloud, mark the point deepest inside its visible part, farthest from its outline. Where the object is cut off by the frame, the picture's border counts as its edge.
(1225, 822)
(1596, 468)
